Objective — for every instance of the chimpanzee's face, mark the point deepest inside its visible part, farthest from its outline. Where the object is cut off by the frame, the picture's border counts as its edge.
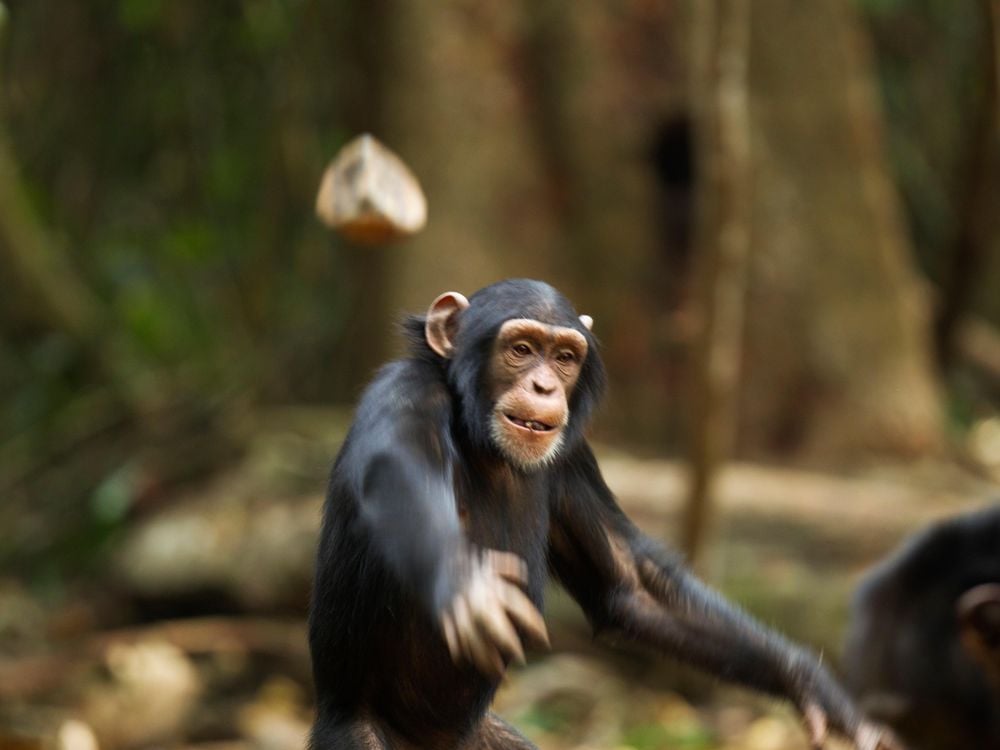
(517, 356)
(532, 371)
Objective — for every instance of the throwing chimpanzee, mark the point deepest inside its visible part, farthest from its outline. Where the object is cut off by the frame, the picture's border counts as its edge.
(464, 482)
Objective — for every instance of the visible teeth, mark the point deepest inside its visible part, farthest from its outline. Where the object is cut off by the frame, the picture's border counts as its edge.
(530, 424)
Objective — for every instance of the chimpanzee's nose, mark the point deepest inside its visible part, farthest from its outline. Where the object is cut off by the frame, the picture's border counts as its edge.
(545, 382)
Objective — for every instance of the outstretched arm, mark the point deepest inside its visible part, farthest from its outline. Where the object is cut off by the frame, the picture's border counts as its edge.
(626, 582)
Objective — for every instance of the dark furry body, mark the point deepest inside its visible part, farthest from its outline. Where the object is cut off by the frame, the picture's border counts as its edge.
(904, 652)
(367, 625)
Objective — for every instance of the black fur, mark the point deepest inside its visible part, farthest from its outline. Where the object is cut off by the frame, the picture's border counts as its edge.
(904, 656)
(418, 485)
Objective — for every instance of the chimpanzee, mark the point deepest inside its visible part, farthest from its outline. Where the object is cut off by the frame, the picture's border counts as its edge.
(923, 651)
(464, 481)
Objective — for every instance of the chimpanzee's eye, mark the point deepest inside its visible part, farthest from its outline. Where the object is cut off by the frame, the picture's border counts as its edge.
(566, 357)
(521, 349)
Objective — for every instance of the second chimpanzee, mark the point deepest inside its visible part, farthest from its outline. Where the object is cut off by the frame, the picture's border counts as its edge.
(464, 482)
(923, 651)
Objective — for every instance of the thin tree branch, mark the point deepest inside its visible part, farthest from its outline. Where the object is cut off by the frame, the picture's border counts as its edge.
(723, 247)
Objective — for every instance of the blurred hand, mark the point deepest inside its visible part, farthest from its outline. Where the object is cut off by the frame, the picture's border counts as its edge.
(868, 736)
(480, 623)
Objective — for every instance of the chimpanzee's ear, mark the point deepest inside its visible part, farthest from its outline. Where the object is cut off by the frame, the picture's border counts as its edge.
(442, 322)
(588, 322)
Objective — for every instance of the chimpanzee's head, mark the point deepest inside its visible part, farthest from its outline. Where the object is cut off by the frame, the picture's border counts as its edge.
(523, 365)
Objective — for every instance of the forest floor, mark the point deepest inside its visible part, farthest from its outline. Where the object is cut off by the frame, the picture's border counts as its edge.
(194, 634)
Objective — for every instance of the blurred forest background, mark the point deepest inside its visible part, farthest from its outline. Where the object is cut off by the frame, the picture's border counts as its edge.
(181, 340)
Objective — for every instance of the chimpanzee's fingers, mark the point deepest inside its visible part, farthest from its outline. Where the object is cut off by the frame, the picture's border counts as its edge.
(889, 741)
(816, 725)
(451, 636)
(495, 621)
(872, 737)
(477, 647)
(524, 613)
(867, 737)
(508, 565)
(484, 655)
(486, 601)
(465, 628)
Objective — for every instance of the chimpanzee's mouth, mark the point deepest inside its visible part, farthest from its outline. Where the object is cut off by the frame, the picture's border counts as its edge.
(529, 424)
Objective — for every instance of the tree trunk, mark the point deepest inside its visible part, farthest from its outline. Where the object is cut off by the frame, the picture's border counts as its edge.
(529, 129)
(838, 349)
(454, 115)
(975, 210)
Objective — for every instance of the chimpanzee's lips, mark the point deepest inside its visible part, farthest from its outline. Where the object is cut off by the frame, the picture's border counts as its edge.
(529, 424)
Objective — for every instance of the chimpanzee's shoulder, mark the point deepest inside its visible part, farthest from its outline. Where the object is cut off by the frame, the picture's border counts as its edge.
(405, 387)
(929, 555)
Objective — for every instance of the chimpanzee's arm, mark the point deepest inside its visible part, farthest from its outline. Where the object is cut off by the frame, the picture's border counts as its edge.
(397, 462)
(629, 583)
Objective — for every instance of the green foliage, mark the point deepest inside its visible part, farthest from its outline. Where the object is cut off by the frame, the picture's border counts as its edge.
(140, 15)
(881, 7)
(177, 146)
(554, 717)
(563, 712)
(173, 149)
(114, 496)
(681, 736)
(268, 24)
(931, 70)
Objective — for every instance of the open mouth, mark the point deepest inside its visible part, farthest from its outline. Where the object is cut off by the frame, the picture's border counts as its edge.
(529, 424)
